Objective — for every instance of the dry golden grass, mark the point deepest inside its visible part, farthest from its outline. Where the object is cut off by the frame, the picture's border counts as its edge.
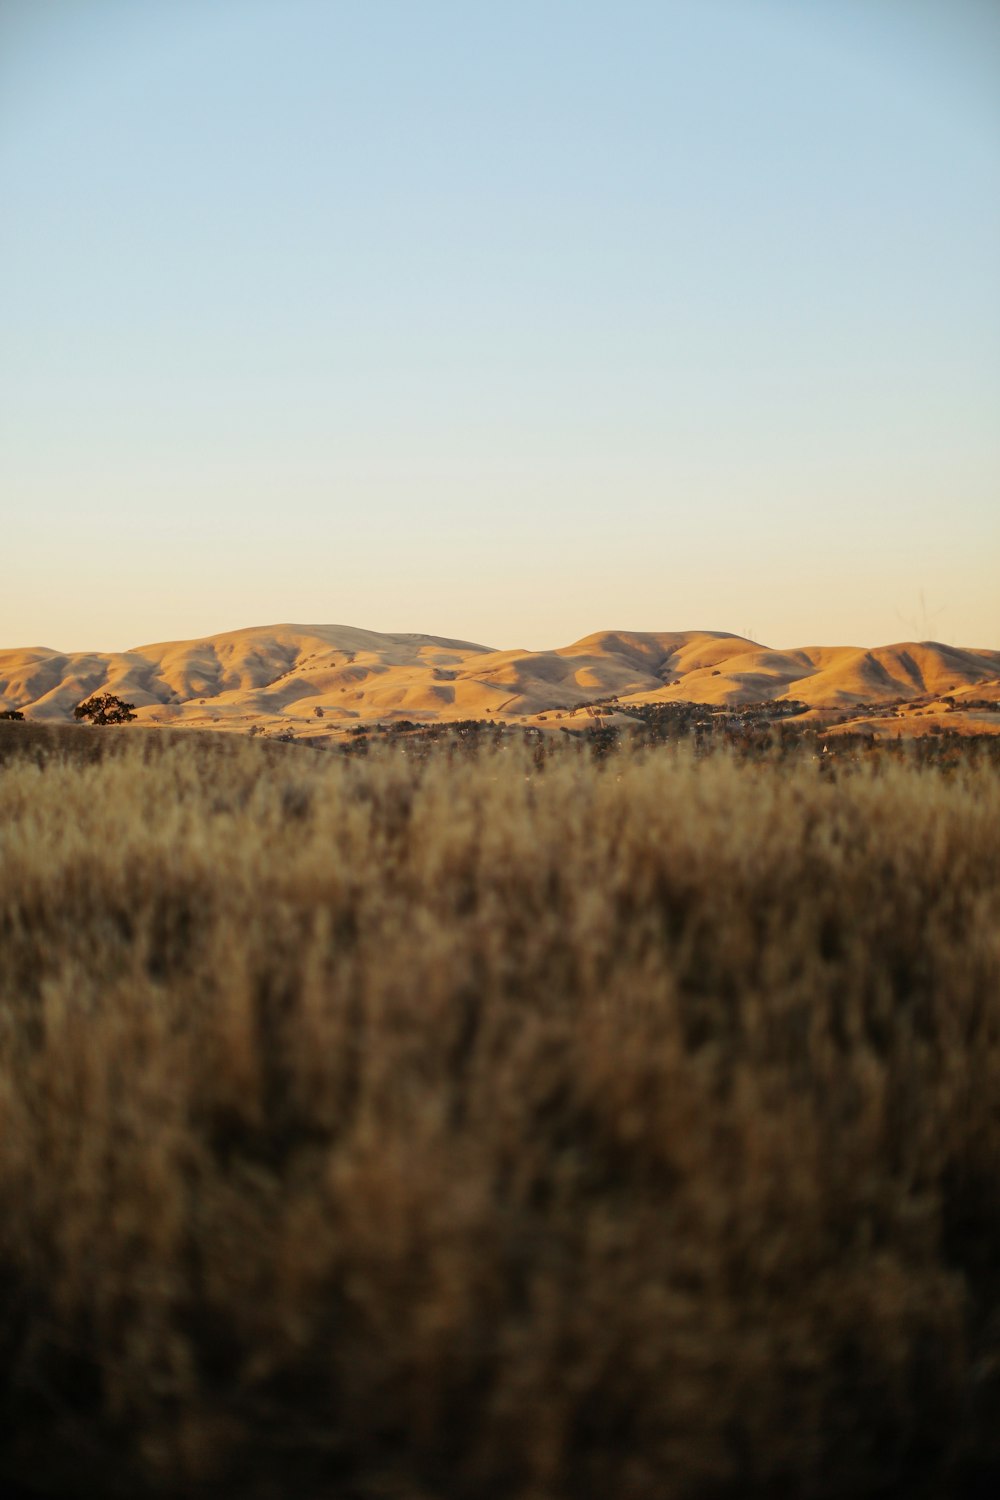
(468, 1131)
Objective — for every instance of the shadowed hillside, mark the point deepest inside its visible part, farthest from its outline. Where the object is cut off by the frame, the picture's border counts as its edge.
(290, 675)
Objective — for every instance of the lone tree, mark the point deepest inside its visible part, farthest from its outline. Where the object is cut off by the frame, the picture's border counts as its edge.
(12, 713)
(105, 709)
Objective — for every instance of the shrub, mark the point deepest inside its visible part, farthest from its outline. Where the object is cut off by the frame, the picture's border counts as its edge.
(12, 714)
(105, 708)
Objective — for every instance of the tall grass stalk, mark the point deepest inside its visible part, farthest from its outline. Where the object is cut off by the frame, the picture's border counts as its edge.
(475, 1130)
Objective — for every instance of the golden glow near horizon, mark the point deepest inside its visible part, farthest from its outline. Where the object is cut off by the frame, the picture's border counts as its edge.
(509, 324)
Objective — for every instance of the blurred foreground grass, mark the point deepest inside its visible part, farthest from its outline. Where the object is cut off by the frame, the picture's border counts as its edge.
(464, 1129)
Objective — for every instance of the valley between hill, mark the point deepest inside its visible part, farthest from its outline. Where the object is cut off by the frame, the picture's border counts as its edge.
(319, 681)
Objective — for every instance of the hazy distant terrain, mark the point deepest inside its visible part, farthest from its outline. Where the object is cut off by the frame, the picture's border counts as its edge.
(280, 675)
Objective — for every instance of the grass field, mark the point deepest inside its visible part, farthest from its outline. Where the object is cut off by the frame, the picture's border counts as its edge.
(496, 1127)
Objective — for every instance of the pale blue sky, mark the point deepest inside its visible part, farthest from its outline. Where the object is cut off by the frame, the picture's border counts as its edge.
(505, 321)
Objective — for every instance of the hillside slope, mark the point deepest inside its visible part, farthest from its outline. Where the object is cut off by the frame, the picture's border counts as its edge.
(293, 675)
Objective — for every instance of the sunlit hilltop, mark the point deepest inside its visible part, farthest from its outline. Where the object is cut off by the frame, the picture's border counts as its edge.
(314, 679)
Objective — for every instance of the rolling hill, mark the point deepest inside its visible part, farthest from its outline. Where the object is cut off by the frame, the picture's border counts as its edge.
(318, 678)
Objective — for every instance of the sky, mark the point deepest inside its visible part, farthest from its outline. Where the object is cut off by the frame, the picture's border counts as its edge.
(506, 322)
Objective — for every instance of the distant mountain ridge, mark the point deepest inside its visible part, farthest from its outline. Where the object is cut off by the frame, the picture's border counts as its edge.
(283, 674)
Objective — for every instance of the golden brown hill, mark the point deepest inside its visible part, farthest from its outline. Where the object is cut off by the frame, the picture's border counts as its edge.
(314, 678)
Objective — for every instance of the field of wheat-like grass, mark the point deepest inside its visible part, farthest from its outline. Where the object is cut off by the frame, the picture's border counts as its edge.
(467, 1128)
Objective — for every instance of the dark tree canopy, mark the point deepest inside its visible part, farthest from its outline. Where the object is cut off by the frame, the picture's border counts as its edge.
(105, 708)
(12, 713)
